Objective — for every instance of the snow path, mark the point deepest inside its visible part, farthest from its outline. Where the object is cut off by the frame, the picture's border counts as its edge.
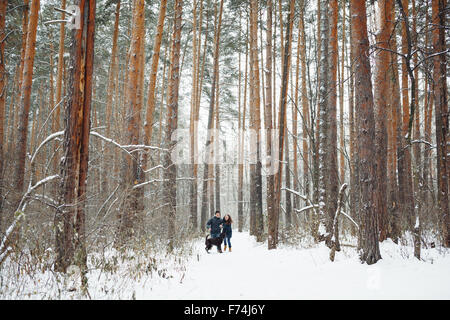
(253, 272)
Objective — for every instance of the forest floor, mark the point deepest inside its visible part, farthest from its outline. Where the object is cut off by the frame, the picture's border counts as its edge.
(250, 271)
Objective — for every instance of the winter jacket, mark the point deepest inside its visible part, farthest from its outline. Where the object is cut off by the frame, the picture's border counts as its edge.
(214, 223)
(227, 229)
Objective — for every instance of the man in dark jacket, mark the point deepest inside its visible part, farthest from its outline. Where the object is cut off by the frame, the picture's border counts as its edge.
(214, 224)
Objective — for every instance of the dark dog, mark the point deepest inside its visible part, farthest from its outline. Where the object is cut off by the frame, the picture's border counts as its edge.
(214, 242)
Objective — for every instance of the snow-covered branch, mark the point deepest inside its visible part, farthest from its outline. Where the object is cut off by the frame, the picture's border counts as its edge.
(98, 135)
(350, 218)
(4, 248)
(425, 142)
(126, 147)
(311, 204)
(307, 208)
(143, 146)
(63, 11)
(159, 166)
(48, 139)
(296, 193)
(32, 188)
(158, 180)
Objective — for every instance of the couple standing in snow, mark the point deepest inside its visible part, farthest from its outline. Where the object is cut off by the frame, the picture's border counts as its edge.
(215, 223)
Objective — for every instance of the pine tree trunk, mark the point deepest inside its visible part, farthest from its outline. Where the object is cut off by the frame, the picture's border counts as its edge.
(397, 199)
(3, 82)
(366, 133)
(241, 149)
(60, 70)
(405, 177)
(80, 232)
(341, 103)
(130, 168)
(441, 113)
(204, 202)
(25, 21)
(295, 111)
(170, 174)
(428, 107)
(333, 173)
(69, 220)
(382, 107)
(354, 193)
(193, 146)
(268, 110)
(305, 105)
(287, 181)
(216, 149)
(151, 96)
(273, 220)
(209, 145)
(107, 161)
(416, 134)
(324, 152)
(255, 121)
(25, 102)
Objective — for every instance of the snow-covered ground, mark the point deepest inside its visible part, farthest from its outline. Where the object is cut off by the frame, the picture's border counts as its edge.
(253, 272)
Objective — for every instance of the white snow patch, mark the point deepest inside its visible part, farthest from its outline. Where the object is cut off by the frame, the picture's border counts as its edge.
(251, 271)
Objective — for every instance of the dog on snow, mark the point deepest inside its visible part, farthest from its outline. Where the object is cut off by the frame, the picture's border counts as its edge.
(209, 242)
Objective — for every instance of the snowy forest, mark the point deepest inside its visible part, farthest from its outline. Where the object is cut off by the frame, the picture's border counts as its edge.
(321, 127)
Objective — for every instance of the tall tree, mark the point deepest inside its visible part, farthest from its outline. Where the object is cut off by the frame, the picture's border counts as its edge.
(193, 124)
(60, 69)
(396, 196)
(441, 112)
(382, 108)
(216, 148)
(170, 174)
(268, 109)
(341, 101)
(354, 194)
(295, 112)
(428, 107)
(242, 144)
(405, 173)
(131, 172)
(113, 74)
(209, 147)
(366, 133)
(151, 96)
(324, 118)
(333, 173)
(69, 219)
(3, 80)
(288, 199)
(25, 22)
(256, 214)
(305, 103)
(416, 133)
(274, 217)
(25, 102)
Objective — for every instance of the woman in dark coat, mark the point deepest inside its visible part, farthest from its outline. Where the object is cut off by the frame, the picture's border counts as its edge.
(227, 221)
